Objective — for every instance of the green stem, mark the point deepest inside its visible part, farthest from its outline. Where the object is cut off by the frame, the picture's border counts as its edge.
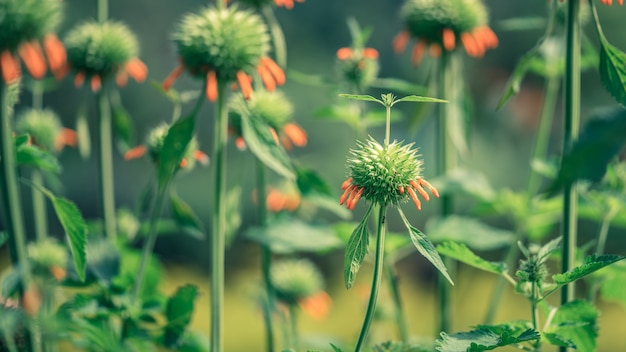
(39, 206)
(266, 257)
(387, 125)
(397, 301)
(534, 312)
(9, 341)
(570, 133)
(218, 221)
(445, 150)
(378, 270)
(602, 236)
(278, 38)
(293, 320)
(148, 246)
(105, 141)
(103, 10)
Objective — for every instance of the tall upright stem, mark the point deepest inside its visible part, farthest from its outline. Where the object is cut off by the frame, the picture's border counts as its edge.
(266, 258)
(570, 133)
(105, 142)
(378, 271)
(397, 301)
(218, 221)
(40, 215)
(444, 165)
(103, 10)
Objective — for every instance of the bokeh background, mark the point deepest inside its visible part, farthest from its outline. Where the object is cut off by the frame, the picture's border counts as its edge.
(501, 143)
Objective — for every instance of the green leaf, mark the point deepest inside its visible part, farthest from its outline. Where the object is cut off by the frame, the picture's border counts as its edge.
(259, 139)
(185, 217)
(482, 339)
(37, 157)
(419, 99)
(612, 287)
(361, 97)
(470, 231)
(75, 229)
(514, 83)
(575, 323)
(3, 238)
(335, 348)
(425, 247)
(123, 125)
(174, 147)
(460, 252)
(592, 263)
(356, 250)
(291, 235)
(613, 69)
(82, 131)
(178, 313)
(309, 181)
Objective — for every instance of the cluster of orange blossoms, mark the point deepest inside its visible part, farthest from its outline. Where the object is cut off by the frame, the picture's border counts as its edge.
(32, 56)
(352, 193)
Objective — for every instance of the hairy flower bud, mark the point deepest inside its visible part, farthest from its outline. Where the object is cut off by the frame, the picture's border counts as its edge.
(295, 279)
(43, 126)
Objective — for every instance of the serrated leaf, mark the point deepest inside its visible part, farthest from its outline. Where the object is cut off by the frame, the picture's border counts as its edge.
(356, 250)
(460, 252)
(76, 230)
(291, 235)
(558, 340)
(178, 313)
(425, 247)
(37, 157)
(613, 69)
(592, 263)
(259, 139)
(481, 340)
(515, 81)
(419, 99)
(575, 322)
(185, 217)
(547, 249)
(174, 147)
(470, 231)
(361, 97)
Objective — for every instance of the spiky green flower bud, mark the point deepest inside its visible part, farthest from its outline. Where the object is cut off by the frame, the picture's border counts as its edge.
(295, 279)
(47, 253)
(222, 40)
(43, 126)
(100, 48)
(154, 142)
(386, 176)
(27, 20)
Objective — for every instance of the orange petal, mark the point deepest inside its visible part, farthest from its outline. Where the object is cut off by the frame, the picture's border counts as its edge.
(417, 202)
(10, 67)
(317, 305)
(286, 142)
(346, 193)
(65, 137)
(31, 301)
(183, 163)
(57, 272)
(211, 86)
(244, 83)
(169, 80)
(490, 38)
(370, 53)
(401, 189)
(352, 203)
(430, 187)
(418, 52)
(419, 189)
(60, 73)
(292, 202)
(480, 44)
(344, 53)
(288, 4)
(469, 45)
(448, 39)
(136, 69)
(33, 59)
(275, 201)
(201, 157)
(266, 78)
(136, 152)
(346, 183)
(296, 134)
(434, 50)
(96, 83)
(275, 70)
(79, 79)
(121, 79)
(400, 41)
(55, 53)
(240, 143)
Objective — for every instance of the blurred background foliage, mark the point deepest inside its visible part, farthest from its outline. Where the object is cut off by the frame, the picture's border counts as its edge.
(501, 143)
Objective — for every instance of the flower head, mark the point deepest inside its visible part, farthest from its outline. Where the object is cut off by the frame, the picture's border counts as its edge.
(24, 26)
(610, 2)
(225, 45)
(442, 25)
(154, 146)
(272, 108)
(288, 4)
(358, 66)
(49, 258)
(385, 175)
(99, 50)
(298, 281)
(45, 129)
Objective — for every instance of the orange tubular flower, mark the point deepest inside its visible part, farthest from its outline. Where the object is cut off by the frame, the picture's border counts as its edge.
(457, 22)
(316, 305)
(288, 4)
(24, 26)
(200, 42)
(358, 66)
(100, 50)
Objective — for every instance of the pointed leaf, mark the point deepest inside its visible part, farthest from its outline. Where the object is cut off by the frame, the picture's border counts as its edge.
(361, 97)
(419, 99)
(515, 81)
(174, 147)
(178, 313)
(460, 252)
(592, 263)
(259, 139)
(613, 70)
(357, 248)
(425, 247)
(185, 217)
(481, 340)
(575, 323)
(335, 348)
(37, 157)
(124, 129)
